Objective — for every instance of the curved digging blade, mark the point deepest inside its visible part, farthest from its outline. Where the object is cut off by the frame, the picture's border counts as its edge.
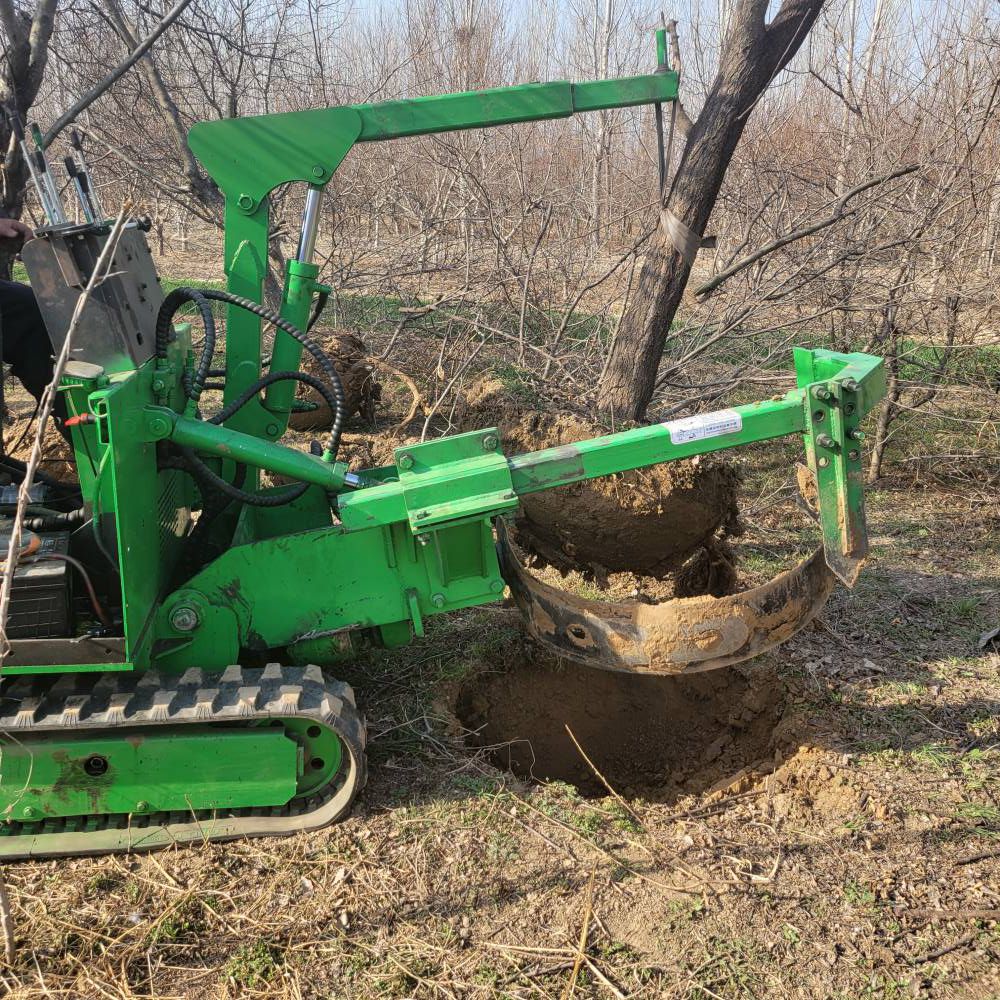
(685, 635)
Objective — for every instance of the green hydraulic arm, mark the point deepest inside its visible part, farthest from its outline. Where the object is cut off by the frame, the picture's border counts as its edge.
(249, 157)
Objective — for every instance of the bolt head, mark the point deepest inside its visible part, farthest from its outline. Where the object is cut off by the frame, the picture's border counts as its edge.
(438, 600)
(159, 385)
(318, 170)
(273, 430)
(424, 539)
(824, 462)
(825, 441)
(490, 442)
(854, 454)
(29, 811)
(850, 384)
(141, 806)
(821, 392)
(245, 202)
(184, 618)
(159, 427)
(405, 461)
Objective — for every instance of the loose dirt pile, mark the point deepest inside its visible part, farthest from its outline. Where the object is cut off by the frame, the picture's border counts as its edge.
(647, 523)
(650, 737)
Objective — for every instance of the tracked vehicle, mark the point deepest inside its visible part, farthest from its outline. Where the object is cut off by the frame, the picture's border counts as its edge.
(175, 642)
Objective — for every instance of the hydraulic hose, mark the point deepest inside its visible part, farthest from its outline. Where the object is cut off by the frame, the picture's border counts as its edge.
(206, 474)
(332, 393)
(322, 358)
(166, 313)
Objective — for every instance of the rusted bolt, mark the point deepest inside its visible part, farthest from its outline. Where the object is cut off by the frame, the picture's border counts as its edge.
(438, 600)
(490, 442)
(405, 461)
(184, 618)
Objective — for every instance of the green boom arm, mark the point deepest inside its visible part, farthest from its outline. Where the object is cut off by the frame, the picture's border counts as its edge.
(249, 157)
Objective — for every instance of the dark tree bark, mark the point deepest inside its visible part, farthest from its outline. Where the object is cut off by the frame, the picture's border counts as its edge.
(25, 39)
(753, 53)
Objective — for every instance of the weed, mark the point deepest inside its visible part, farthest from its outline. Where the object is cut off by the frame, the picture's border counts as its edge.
(858, 895)
(252, 965)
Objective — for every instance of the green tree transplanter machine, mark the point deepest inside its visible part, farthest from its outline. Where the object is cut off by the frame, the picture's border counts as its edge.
(172, 677)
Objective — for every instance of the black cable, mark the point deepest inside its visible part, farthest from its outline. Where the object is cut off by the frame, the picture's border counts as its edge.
(265, 380)
(12, 464)
(322, 358)
(321, 301)
(193, 387)
(335, 397)
(201, 470)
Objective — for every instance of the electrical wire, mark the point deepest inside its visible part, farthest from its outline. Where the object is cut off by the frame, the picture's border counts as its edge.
(102, 615)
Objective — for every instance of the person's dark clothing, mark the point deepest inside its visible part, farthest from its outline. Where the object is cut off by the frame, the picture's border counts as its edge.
(26, 345)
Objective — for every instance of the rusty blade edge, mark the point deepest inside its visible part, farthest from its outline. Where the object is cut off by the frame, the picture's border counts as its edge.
(685, 635)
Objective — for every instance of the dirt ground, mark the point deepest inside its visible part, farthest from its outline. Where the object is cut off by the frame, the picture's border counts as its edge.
(822, 822)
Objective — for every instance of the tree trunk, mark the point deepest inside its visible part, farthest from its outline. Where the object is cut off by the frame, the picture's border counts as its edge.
(752, 53)
(26, 50)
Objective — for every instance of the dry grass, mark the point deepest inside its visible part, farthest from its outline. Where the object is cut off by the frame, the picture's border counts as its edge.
(860, 861)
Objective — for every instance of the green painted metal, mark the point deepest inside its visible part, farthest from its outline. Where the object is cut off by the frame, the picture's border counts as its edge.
(146, 772)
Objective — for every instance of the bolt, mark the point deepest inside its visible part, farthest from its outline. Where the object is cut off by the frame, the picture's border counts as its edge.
(856, 435)
(854, 454)
(159, 426)
(849, 408)
(824, 462)
(850, 384)
(825, 441)
(184, 618)
(141, 806)
(438, 600)
(245, 202)
(29, 811)
(159, 385)
(273, 430)
(405, 461)
(424, 539)
(497, 586)
(821, 392)
(421, 514)
(318, 171)
(490, 442)
(510, 495)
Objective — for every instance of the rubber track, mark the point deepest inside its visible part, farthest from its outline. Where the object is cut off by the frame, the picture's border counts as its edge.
(107, 702)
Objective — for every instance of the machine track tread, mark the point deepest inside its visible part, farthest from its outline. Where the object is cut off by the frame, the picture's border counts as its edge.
(108, 702)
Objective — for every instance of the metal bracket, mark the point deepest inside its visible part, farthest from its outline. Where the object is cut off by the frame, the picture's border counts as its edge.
(454, 479)
(833, 448)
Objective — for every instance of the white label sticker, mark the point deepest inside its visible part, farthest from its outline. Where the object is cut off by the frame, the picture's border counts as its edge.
(704, 425)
